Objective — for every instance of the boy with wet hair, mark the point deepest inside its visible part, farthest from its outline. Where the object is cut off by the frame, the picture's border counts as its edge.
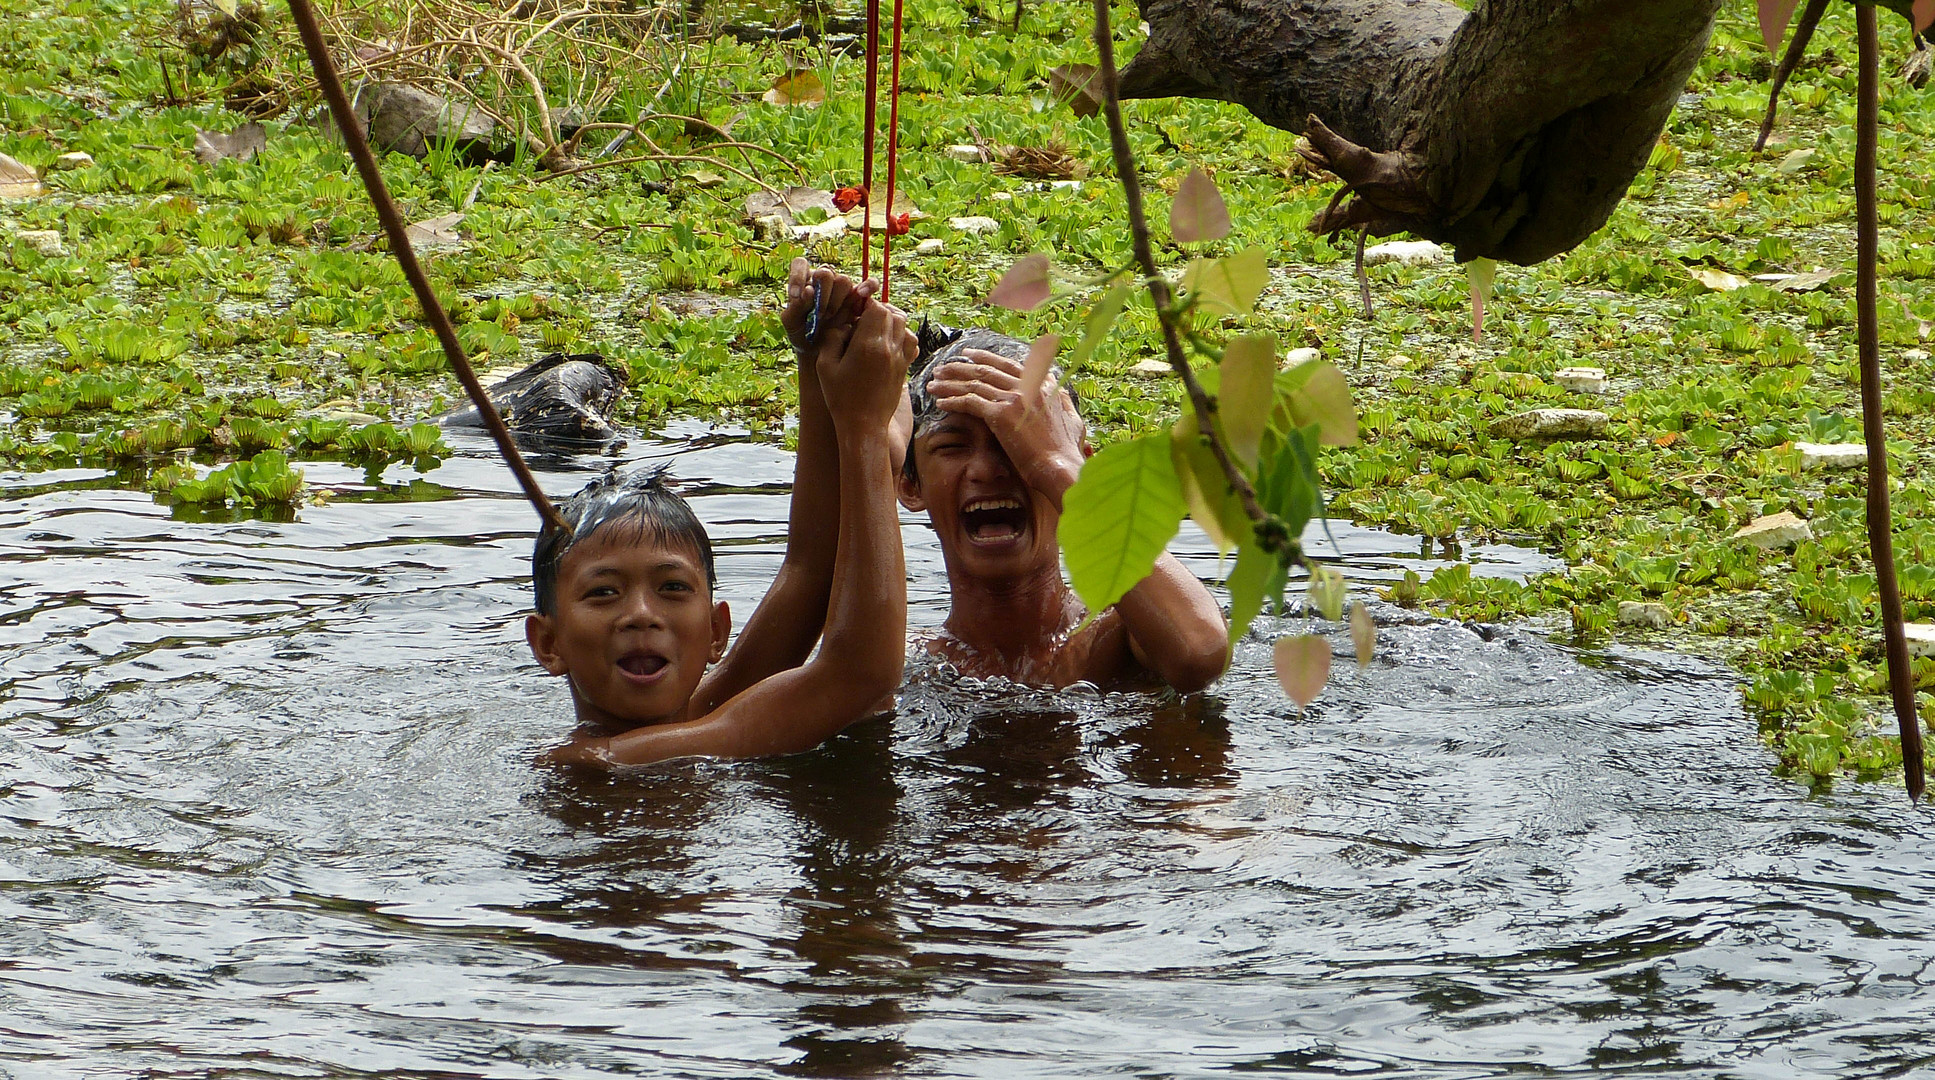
(989, 466)
(624, 598)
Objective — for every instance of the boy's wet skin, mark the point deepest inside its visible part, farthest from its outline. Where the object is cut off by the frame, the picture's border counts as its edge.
(990, 471)
(634, 629)
(624, 594)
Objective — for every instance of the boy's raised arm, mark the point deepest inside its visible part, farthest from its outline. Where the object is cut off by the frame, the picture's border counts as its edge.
(866, 617)
(787, 623)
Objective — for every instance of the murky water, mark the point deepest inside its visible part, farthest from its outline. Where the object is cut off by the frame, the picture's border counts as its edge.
(267, 809)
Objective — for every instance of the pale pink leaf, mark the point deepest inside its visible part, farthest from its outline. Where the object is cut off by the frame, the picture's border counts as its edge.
(1480, 272)
(1774, 17)
(1025, 286)
(1303, 666)
(1034, 371)
(1363, 632)
(1923, 14)
(1198, 212)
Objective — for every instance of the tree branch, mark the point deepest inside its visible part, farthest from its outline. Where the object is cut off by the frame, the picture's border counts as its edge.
(1881, 536)
(406, 258)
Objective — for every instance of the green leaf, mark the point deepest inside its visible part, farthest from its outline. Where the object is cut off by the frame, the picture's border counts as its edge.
(1316, 392)
(1250, 584)
(1206, 491)
(1118, 517)
(1326, 592)
(1288, 485)
(1199, 212)
(1247, 378)
(1101, 318)
(1230, 285)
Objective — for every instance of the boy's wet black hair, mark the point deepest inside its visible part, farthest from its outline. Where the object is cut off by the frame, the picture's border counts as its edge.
(942, 344)
(639, 500)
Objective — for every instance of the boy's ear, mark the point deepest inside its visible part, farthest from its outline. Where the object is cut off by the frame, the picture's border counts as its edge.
(909, 489)
(543, 638)
(721, 630)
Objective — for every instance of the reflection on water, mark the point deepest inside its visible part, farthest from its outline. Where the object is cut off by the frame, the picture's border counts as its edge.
(266, 809)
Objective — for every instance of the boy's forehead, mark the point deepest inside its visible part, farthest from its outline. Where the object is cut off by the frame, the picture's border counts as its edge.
(630, 542)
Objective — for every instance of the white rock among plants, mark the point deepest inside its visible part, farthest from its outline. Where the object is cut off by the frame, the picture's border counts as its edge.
(1553, 424)
(1774, 531)
(1833, 455)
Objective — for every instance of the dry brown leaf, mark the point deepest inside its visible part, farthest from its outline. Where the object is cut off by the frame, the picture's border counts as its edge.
(789, 202)
(1050, 162)
(1716, 279)
(801, 88)
(435, 233)
(241, 144)
(1075, 84)
(17, 181)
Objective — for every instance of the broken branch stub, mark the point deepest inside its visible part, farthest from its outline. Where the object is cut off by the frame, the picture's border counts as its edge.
(1511, 132)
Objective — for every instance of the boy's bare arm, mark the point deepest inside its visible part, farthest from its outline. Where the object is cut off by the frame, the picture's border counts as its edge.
(1175, 628)
(787, 623)
(866, 619)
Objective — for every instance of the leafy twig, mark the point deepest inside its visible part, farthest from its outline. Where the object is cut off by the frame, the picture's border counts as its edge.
(1270, 533)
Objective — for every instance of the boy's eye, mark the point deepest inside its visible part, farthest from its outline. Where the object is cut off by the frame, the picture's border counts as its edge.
(676, 586)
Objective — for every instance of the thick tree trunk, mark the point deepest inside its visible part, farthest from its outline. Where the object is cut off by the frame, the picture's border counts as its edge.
(1510, 132)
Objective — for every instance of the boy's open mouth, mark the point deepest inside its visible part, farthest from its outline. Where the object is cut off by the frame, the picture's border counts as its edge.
(642, 665)
(991, 521)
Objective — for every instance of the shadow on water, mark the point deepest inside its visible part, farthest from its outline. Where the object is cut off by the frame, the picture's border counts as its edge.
(267, 809)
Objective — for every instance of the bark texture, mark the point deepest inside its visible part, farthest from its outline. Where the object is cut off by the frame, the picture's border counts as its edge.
(1511, 131)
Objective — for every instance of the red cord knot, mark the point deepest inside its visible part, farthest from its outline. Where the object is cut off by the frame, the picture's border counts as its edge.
(898, 224)
(847, 198)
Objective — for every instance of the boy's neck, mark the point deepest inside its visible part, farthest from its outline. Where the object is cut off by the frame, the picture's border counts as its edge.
(1012, 617)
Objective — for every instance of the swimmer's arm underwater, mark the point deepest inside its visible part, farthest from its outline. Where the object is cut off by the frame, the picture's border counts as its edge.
(787, 624)
(866, 617)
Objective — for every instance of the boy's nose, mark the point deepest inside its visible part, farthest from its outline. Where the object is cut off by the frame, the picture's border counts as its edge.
(990, 464)
(640, 611)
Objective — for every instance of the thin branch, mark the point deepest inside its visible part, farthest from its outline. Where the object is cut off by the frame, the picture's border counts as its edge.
(406, 258)
(1881, 537)
(1270, 533)
(1803, 33)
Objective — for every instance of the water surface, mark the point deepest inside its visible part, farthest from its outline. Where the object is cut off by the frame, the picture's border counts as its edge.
(267, 809)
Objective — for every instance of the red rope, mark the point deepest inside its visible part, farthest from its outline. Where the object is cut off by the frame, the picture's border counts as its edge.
(893, 156)
(866, 168)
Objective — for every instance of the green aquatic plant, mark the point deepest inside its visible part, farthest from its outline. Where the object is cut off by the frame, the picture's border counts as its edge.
(263, 479)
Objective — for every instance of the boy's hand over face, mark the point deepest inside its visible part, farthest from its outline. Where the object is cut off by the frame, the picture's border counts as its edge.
(840, 302)
(864, 382)
(1043, 434)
